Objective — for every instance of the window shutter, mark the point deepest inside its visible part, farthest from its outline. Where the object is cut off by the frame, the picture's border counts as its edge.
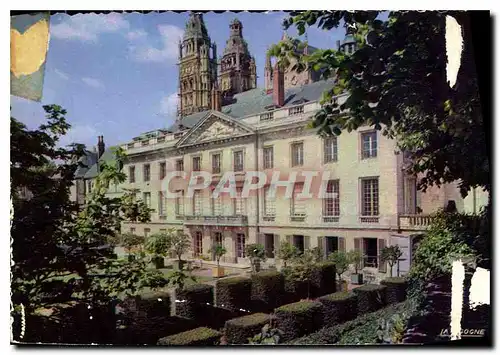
(260, 238)
(289, 239)
(321, 246)
(276, 244)
(382, 265)
(306, 242)
(358, 247)
(341, 245)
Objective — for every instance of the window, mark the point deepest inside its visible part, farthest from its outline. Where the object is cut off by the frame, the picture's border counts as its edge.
(331, 205)
(267, 116)
(89, 186)
(198, 244)
(146, 172)
(299, 242)
(297, 110)
(297, 154)
(197, 203)
(216, 163)
(130, 145)
(369, 145)
(131, 174)
(239, 203)
(145, 143)
(161, 203)
(163, 170)
(369, 202)
(179, 204)
(160, 139)
(132, 230)
(146, 232)
(269, 245)
(330, 150)
(238, 160)
(268, 157)
(240, 245)
(216, 206)
(218, 238)
(179, 165)
(196, 163)
(298, 209)
(269, 204)
(146, 196)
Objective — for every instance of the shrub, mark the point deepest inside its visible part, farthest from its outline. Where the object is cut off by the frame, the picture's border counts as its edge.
(323, 279)
(198, 336)
(256, 253)
(238, 330)
(370, 298)
(216, 317)
(151, 304)
(268, 288)
(339, 307)
(193, 300)
(233, 293)
(341, 261)
(295, 290)
(396, 289)
(297, 319)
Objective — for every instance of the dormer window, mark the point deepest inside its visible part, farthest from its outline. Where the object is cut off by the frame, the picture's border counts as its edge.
(130, 145)
(297, 110)
(145, 143)
(268, 116)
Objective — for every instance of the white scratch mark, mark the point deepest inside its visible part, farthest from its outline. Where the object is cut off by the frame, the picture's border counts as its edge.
(457, 294)
(454, 47)
(23, 321)
(479, 288)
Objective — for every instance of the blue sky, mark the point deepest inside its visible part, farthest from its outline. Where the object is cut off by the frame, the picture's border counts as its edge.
(116, 74)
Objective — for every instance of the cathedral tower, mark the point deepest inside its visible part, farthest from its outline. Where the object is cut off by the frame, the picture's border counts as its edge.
(237, 67)
(197, 67)
(348, 45)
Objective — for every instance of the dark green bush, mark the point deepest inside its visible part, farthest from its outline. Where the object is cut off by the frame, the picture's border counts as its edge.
(294, 290)
(370, 298)
(339, 307)
(216, 317)
(196, 337)
(193, 299)
(323, 280)
(300, 318)
(268, 289)
(396, 289)
(153, 303)
(234, 293)
(238, 330)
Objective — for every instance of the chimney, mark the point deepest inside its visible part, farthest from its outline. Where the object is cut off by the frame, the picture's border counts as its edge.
(100, 146)
(278, 86)
(338, 45)
(216, 98)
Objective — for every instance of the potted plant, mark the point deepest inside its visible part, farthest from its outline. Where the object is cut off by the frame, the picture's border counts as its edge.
(179, 245)
(341, 261)
(302, 269)
(355, 259)
(257, 254)
(391, 255)
(158, 245)
(287, 252)
(218, 251)
(129, 242)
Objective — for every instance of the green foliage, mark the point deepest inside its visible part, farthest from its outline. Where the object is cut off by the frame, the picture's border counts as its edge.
(268, 287)
(287, 252)
(303, 269)
(218, 251)
(355, 258)
(154, 303)
(396, 82)
(180, 243)
(131, 240)
(238, 330)
(370, 298)
(267, 336)
(396, 289)
(391, 255)
(300, 318)
(193, 300)
(256, 253)
(323, 279)
(339, 307)
(159, 244)
(341, 261)
(233, 293)
(178, 278)
(195, 337)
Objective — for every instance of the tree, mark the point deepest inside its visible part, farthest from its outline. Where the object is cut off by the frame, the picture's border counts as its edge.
(218, 251)
(341, 261)
(396, 82)
(180, 244)
(256, 253)
(303, 268)
(159, 245)
(130, 241)
(287, 252)
(179, 277)
(391, 255)
(355, 258)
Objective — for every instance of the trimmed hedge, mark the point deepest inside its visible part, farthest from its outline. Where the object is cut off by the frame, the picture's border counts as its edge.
(233, 293)
(238, 330)
(297, 319)
(323, 280)
(339, 307)
(370, 298)
(153, 303)
(396, 289)
(268, 290)
(294, 290)
(193, 300)
(199, 336)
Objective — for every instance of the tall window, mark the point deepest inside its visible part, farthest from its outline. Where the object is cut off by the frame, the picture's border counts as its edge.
(163, 170)
(146, 172)
(218, 238)
(239, 202)
(198, 244)
(146, 232)
(217, 206)
(132, 230)
(196, 163)
(198, 203)
(269, 204)
(297, 110)
(89, 186)
(161, 203)
(369, 148)
(297, 154)
(369, 202)
(131, 174)
(268, 157)
(298, 205)
(216, 163)
(238, 160)
(330, 149)
(240, 245)
(331, 205)
(146, 196)
(179, 165)
(179, 204)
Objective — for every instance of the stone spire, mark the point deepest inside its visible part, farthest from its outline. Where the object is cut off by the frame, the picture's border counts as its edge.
(268, 74)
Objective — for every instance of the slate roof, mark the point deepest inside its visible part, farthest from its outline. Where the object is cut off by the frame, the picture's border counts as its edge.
(107, 156)
(88, 160)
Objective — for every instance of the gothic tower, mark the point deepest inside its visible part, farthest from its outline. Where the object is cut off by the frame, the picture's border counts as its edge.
(197, 67)
(237, 67)
(348, 45)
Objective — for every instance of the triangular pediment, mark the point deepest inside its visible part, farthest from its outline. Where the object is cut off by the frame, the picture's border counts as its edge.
(215, 126)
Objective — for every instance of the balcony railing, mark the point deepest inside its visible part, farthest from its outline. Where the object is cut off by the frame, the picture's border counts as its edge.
(236, 220)
(414, 221)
